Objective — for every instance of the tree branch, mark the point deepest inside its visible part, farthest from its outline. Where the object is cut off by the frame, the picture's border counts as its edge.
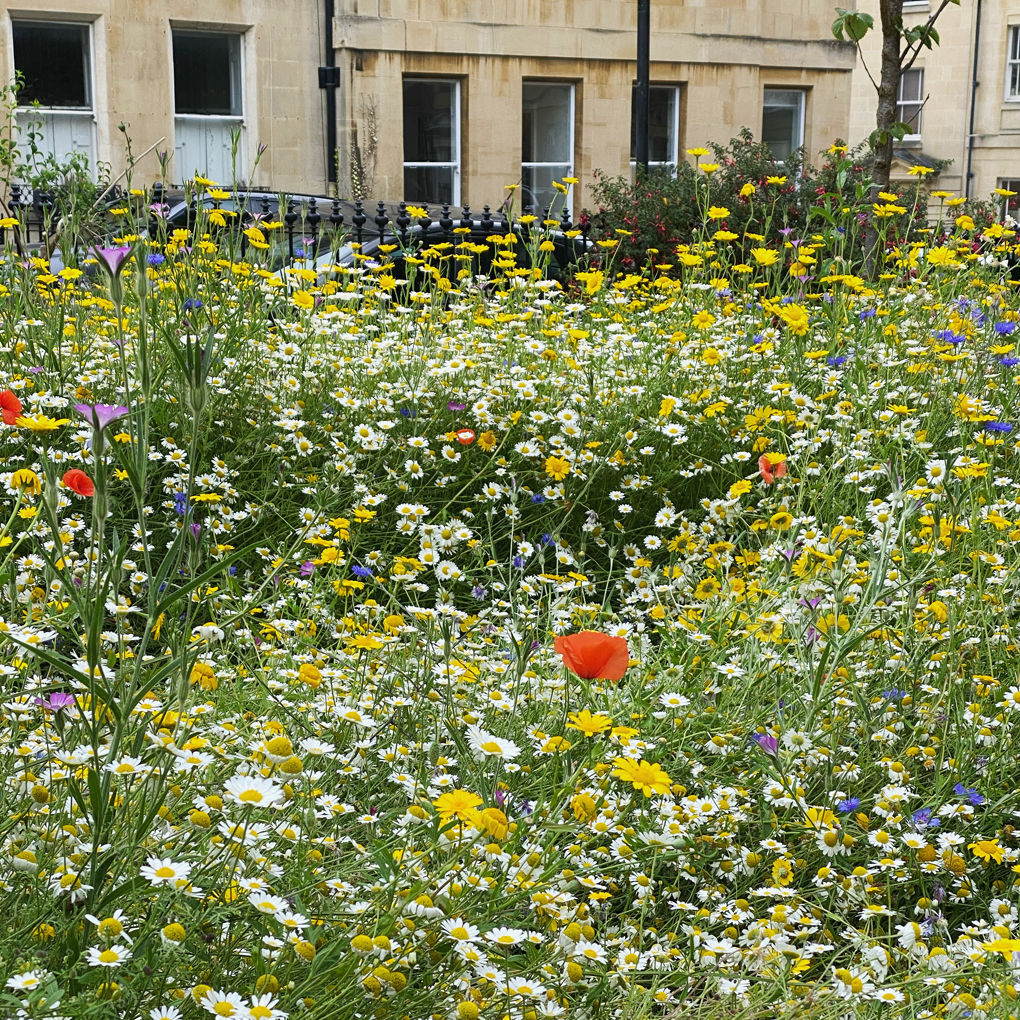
(860, 53)
(924, 35)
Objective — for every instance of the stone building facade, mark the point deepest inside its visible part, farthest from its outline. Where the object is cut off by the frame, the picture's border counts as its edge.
(437, 100)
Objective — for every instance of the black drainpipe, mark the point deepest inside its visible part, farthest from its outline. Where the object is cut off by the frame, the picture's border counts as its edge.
(973, 101)
(329, 79)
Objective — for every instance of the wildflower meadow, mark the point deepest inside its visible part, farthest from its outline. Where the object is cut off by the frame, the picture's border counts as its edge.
(475, 646)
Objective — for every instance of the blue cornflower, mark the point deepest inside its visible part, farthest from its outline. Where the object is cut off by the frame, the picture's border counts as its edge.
(517, 562)
(970, 793)
(1009, 362)
(1005, 328)
(155, 259)
(180, 502)
(538, 498)
(192, 303)
(546, 539)
(867, 313)
(836, 360)
(360, 571)
(848, 805)
(998, 426)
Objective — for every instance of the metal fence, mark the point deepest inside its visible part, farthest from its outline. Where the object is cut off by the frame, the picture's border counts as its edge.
(311, 223)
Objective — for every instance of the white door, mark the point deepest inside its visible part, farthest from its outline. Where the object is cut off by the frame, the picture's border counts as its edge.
(203, 146)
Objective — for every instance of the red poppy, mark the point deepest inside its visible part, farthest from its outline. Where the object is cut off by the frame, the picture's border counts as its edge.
(11, 407)
(77, 481)
(769, 471)
(465, 436)
(594, 655)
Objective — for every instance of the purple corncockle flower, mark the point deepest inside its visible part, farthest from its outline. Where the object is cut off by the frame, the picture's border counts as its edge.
(500, 798)
(307, 568)
(36, 369)
(789, 554)
(100, 415)
(112, 259)
(786, 231)
(160, 210)
(454, 406)
(56, 701)
(767, 743)
(196, 530)
(809, 603)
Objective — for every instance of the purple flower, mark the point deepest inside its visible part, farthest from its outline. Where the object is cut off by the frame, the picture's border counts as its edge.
(100, 415)
(160, 210)
(767, 743)
(454, 406)
(56, 701)
(307, 568)
(112, 258)
(196, 530)
(36, 369)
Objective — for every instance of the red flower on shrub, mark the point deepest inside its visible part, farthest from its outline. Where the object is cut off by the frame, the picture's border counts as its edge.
(77, 481)
(593, 655)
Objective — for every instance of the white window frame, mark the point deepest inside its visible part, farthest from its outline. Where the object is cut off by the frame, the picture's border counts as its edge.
(212, 120)
(1010, 184)
(675, 129)
(900, 103)
(801, 114)
(23, 114)
(569, 198)
(456, 162)
(1012, 63)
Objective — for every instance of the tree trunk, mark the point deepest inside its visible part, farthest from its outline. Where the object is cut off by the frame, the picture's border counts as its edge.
(888, 88)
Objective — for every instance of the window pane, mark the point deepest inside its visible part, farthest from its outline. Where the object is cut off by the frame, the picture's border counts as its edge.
(912, 85)
(661, 122)
(781, 121)
(537, 190)
(429, 135)
(910, 114)
(207, 73)
(1014, 79)
(1014, 43)
(430, 184)
(546, 124)
(54, 61)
